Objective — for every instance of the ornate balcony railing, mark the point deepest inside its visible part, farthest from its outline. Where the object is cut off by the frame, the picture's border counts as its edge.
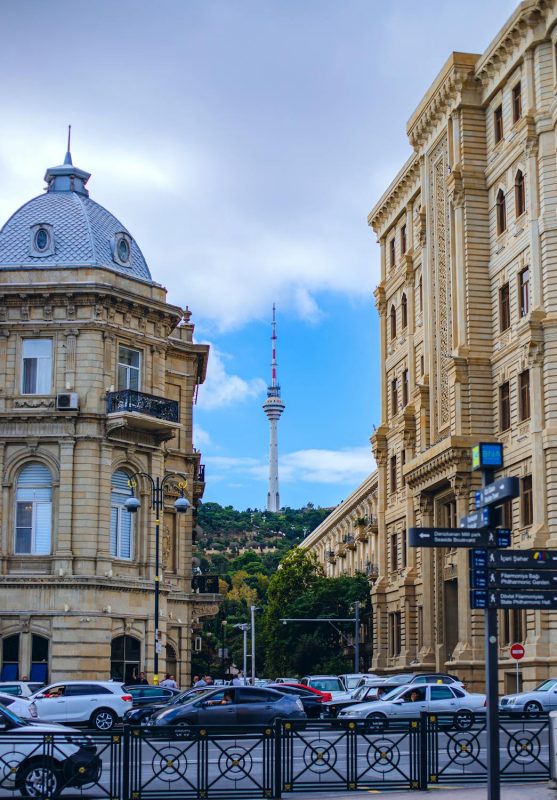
(129, 400)
(205, 584)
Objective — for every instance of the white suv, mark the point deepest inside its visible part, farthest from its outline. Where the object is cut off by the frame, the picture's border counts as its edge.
(40, 760)
(99, 703)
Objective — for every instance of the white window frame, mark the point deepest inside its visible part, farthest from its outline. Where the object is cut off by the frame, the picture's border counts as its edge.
(43, 368)
(129, 368)
(120, 510)
(36, 504)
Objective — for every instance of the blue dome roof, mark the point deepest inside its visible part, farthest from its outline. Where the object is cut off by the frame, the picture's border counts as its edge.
(65, 228)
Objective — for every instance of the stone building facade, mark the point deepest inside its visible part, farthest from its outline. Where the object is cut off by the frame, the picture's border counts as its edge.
(97, 379)
(468, 313)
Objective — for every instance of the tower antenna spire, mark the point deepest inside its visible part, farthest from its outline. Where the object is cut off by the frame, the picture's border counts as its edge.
(68, 158)
(273, 408)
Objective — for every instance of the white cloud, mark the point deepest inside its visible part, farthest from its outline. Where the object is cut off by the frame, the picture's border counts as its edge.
(222, 389)
(201, 437)
(348, 466)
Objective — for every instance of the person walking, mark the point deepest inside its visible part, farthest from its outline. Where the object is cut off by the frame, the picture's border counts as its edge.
(198, 682)
(169, 682)
(238, 680)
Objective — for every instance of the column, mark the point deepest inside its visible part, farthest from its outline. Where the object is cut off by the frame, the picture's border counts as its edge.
(424, 503)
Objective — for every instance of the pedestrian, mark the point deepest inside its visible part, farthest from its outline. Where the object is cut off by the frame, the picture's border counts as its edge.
(209, 681)
(198, 682)
(143, 679)
(169, 681)
(238, 680)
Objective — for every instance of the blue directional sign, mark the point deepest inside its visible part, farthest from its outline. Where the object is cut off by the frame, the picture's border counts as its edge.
(514, 559)
(497, 492)
(477, 519)
(459, 537)
(501, 598)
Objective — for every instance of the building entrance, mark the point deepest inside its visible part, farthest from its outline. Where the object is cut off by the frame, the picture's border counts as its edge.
(125, 659)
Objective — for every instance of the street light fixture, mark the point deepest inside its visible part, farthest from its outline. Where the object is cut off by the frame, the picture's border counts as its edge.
(244, 627)
(132, 504)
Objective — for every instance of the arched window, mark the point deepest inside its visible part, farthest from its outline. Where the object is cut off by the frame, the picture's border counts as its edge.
(404, 309)
(33, 515)
(10, 658)
(501, 212)
(519, 194)
(124, 659)
(39, 658)
(393, 322)
(121, 521)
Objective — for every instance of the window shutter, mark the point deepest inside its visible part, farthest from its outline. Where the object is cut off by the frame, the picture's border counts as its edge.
(43, 523)
(125, 534)
(114, 531)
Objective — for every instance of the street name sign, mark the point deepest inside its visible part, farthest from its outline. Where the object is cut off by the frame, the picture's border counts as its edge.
(459, 537)
(497, 492)
(498, 598)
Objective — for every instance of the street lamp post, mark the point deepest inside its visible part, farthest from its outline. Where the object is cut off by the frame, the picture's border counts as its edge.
(244, 627)
(253, 609)
(223, 661)
(157, 487)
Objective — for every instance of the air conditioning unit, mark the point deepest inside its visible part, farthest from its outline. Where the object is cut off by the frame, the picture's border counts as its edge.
(67, 401)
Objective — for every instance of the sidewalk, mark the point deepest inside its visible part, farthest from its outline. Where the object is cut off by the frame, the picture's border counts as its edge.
(517, 791)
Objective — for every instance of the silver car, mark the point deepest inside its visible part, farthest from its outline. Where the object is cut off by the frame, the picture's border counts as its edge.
(411, 701)
(542, 698)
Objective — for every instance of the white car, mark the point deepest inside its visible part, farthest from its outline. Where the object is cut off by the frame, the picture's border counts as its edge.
(18, 705)
(21, 688)
(41, 765)
(542, 698)
(99, 703)
(411, 701)
(325, 683)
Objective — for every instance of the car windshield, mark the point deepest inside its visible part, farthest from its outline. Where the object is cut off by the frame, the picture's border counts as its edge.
(546, 686)
(13, 717)
(393, 693)
(326, 684)
(187, 697)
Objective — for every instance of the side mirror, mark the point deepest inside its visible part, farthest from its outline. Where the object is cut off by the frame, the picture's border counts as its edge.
(398, 702)
(40, 696)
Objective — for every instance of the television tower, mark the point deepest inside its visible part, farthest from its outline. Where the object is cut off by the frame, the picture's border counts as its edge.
(273, 408)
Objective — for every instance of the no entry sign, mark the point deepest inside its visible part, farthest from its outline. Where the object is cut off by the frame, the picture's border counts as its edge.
(517, 651)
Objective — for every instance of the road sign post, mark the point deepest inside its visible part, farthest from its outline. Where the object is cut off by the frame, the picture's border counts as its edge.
(517, 652)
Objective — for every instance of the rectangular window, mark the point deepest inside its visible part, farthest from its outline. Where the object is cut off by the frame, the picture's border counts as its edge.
(526, 501)
(421, 365)
(403, 549)
(395, 620)
(420, 626)
(403, 239)
(498, 123)
(120, 532)
(449, 514)
(392, 252)
(506, 519)
(36, 372)
(394, 396)
(393, 473)
(394, 551)
(405, 388)
(504, 407)
(504, 308)
(524, 395)
(517, 102)
(129, 368)
(524, 292)
(33, 524)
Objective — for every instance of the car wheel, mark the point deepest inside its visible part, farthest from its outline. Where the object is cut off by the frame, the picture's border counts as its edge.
(38, 779)
(463, 720)
(532, 707)
(103, 719)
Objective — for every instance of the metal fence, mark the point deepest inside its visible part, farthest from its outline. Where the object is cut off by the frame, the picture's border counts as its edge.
(142, 763)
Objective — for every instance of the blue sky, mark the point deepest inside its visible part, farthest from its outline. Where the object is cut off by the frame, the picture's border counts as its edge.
(243, 143)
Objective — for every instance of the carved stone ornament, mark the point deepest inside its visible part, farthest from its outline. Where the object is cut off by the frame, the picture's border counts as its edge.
(460, 484)
(422, 226)
(28, 403)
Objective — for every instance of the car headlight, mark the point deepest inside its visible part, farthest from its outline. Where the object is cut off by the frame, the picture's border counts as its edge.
(353, 713)
(299, 704)
(511, 701)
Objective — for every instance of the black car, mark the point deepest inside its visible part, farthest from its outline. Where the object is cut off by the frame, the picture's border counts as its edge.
(147, 695)
(312, 703)
(241, 706)
(142, 714)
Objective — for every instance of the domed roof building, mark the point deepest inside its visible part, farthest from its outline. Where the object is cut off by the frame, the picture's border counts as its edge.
(97, 379)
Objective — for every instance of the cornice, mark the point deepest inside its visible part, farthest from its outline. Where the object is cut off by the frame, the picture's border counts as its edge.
(525, 26)
(392, 202)
(448, 456)
(444, 94)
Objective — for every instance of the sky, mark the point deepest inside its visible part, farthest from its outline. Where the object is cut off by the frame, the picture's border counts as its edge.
(243, 143)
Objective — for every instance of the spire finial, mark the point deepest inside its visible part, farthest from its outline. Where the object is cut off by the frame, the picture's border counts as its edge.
(68, 158)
